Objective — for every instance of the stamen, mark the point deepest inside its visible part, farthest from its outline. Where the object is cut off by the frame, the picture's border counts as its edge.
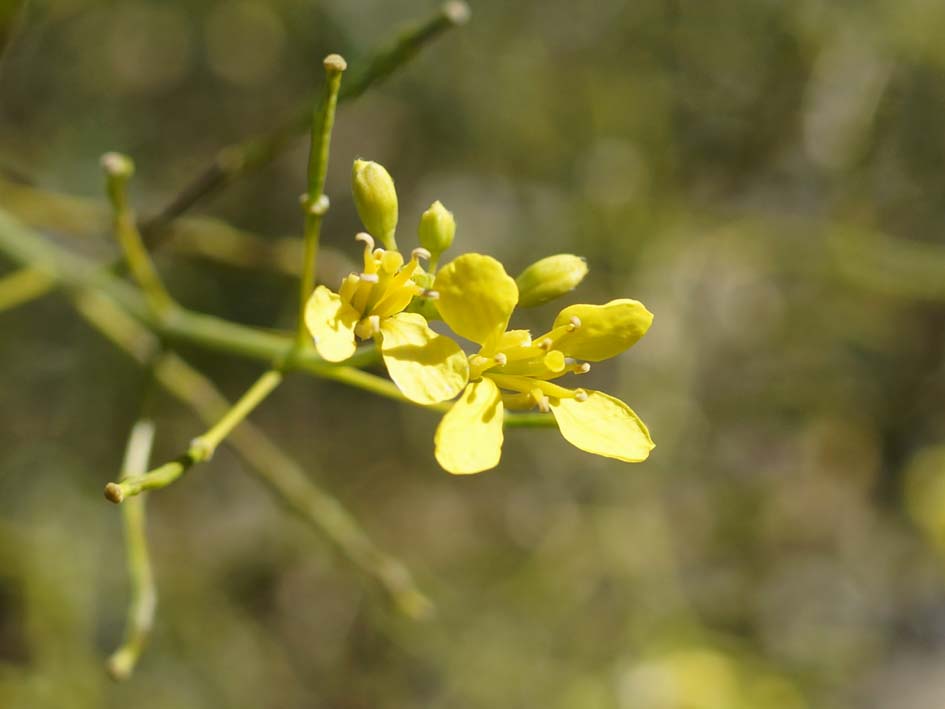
(369, 277)
(544, 405)
(375, 321)
(582, 368)
(431, 294)
(501, 359)
(420, 253)
(545, 344)
(366, 238)
(580, 395)
(574, 323)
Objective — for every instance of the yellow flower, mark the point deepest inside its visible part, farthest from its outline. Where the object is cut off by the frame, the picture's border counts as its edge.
(426, 366)
(512, 370)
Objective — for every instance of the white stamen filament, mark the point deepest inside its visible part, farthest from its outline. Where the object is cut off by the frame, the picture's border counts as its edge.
(366, 238)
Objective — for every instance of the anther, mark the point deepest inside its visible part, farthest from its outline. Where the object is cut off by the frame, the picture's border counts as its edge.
(545, 344)
(501, 359)
(366, 238)
(582, 368)
(375, 321)
(420, 253)
(319, 207)
(368, 277)
(431, 294)
(574, 322)
(544, 405)
(580, 395)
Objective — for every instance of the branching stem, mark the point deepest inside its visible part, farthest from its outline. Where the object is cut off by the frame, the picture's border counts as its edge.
(201, 448)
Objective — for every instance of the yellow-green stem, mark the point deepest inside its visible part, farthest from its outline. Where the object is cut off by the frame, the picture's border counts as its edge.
(143, 603)
(201, 448)
(118, 170)
(315, 202)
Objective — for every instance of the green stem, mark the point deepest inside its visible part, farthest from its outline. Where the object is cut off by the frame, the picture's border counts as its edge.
(201, 448)
(182, 325)
(282, 475)
(241, 158)
(118, 170)
(22, 286)
(315, 201)
(143, 603)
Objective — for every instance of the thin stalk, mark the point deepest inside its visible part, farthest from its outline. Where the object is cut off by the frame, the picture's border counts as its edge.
(314, 201)
(281, 474)
(77, 272)
(118, 171)
(238, 159)
(141, 609)
(201, 448)
(22, 286)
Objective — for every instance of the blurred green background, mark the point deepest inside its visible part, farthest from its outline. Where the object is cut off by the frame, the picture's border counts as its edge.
(765, 176)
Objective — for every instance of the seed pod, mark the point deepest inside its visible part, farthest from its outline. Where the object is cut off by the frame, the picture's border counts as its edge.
(549, 278)
(376, 200)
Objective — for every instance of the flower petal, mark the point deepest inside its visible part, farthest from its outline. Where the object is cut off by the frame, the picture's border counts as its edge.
(331, 322)
(477, 296)
(604, 330)
(604, 426)
(426, 366)
(469, 438)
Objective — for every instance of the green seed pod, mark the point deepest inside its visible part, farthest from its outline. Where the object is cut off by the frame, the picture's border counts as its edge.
(376, 200)
(549, 278)
(437, 228)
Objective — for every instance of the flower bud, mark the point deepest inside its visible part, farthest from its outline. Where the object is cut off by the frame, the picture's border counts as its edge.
(376, 200)
(549, 278)
(437, 228)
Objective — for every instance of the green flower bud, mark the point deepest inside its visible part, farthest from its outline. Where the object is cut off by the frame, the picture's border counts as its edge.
(549, 278)
(376, 200)
(437, 228)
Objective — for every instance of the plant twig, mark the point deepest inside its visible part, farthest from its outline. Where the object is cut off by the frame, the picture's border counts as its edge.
(141, 609)
(284, 477)
(201, 448)
(118, 170)
(183, 325)
(236, 160)
(315, 202)
(22, 286)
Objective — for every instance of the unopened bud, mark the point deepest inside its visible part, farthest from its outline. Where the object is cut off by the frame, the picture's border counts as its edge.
(376, 200)
(549, 278)
(437, 228)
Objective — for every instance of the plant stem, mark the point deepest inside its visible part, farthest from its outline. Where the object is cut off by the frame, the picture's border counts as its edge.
(201, 448)
(236, 160)
(315, 202)
(118, 170)
(284, 477)
(143, 603)
(22, 286)
(77, 272)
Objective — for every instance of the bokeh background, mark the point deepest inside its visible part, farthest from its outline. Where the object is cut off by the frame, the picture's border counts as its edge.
(765, 176)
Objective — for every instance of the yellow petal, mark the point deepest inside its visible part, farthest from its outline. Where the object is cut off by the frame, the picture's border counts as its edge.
(426, 366)
(331, 322)
(604, 330)
(477, 296)
(604, 426)
(469, 438)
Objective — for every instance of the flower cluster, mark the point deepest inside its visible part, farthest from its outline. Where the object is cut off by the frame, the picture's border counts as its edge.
(476, 298)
